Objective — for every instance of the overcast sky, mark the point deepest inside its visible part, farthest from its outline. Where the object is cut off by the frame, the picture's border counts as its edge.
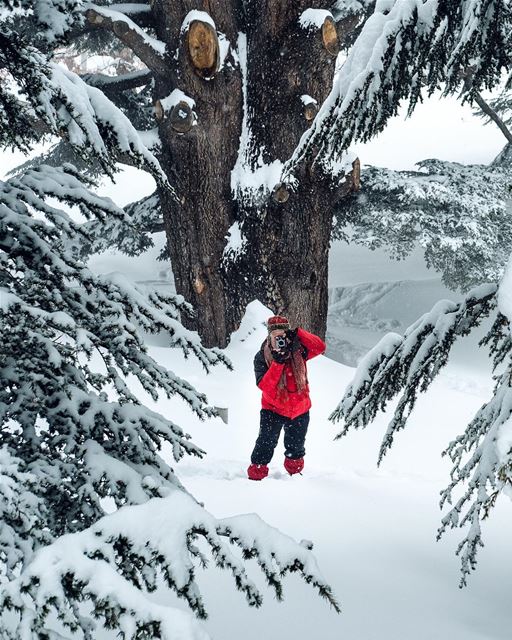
(439, 128)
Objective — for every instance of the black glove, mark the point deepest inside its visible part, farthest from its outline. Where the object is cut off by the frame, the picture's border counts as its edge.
(280, 356)
(293, 340)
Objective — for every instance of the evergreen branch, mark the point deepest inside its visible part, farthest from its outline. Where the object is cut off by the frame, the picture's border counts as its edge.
(251, 534)
(407, 365)
(481, 456)
(402, 49)
(456, 213)
(131, 235)
(487, 471)
(124, 556)
(60, 102)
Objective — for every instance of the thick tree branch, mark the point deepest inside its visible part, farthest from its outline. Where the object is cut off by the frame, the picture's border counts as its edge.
(118, 83)
(141, 14)
(150, 50)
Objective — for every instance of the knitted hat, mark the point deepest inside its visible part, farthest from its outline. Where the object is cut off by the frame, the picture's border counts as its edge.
(277, 322)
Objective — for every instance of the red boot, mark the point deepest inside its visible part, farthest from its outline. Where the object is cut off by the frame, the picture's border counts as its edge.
(257, 471)
(293, 465)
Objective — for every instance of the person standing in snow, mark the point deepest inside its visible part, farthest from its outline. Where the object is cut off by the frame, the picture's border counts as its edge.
(280, 369)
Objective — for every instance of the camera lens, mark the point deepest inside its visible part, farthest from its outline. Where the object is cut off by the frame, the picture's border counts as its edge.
(280, 342)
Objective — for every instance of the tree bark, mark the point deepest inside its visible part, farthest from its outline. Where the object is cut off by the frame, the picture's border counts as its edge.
(284, 263)
(198, 164)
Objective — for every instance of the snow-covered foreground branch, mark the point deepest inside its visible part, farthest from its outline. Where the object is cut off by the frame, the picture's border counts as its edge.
(76, 440)
(57, 101)
(109, 571)
(404, 47)
(405, 366)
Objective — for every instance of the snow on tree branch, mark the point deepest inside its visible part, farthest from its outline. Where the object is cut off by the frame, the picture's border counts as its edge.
(482, 455)
(90, 567)
(482, 459)
(67, 106)
(406, 45)
(407, 365)
(22, 514)
(141, 13)
(458, 214)
(282, 556)
(26, 67)
(92, 122)
(123, 82)
(314, 18)
(55, 316)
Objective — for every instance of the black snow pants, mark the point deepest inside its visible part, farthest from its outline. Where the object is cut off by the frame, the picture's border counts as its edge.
(271, 424)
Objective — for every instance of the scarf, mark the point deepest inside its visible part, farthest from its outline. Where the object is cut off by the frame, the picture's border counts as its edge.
(297, 364)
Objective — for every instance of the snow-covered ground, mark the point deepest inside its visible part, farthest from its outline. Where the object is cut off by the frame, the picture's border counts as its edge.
(373, 529)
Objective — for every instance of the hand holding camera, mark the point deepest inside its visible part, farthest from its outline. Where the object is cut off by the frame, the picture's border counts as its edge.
(294, 343)
(279, 349)
(280, 356)
(283, 344)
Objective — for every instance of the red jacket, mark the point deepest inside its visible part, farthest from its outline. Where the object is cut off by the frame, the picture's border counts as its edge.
(267, 378)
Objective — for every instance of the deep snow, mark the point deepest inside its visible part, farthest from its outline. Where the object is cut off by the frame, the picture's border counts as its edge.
(373, 529)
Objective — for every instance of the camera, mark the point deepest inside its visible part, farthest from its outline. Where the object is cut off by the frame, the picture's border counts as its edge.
(281, 343)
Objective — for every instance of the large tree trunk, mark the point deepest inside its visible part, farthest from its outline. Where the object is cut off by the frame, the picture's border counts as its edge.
(284, 263)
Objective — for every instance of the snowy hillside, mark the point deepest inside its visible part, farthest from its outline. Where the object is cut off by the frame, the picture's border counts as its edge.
(360, 314)
(373, 529)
